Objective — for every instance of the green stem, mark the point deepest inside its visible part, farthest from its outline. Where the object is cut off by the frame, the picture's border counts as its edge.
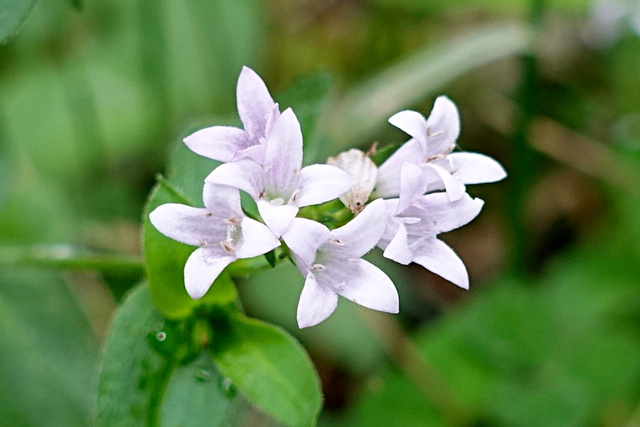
(69, 257)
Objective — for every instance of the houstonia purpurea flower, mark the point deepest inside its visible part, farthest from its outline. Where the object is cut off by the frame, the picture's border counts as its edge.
(431, 146)
(280, 186)
(332, 264)
(415, 220)
(258, 113)
(220, 230)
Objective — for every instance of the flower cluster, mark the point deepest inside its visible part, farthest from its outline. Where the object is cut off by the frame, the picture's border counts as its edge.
(417, 193)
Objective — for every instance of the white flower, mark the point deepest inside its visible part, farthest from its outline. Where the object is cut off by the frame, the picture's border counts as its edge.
(415, 220)
(431, 146)
(220, 230)
(332, 265)
(280, 186)
(258, 113)
(363, 173)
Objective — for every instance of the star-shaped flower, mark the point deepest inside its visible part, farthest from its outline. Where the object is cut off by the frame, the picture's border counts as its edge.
(431, 146)
(415, 220)
(220, 230)
(280, 186)
(332, 265)
(258, 112)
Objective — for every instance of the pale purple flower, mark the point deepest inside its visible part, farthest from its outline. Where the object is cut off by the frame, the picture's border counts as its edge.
(415, 220)
(280, 186)
(258, 112)
(431, 146)
(332, 265)
(220, 230)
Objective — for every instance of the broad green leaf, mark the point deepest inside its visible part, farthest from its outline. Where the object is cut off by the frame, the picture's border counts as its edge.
(268, 366)
(152, 374)
(165, 260)
(12, 15)
(48, 352)
(366, 108)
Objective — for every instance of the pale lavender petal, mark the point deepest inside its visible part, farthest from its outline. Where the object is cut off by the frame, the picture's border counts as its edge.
(321, 183)
(440, 176)
(277, 216)
(361, 282)
(283, 156)
(218, 142)
(257, 239)
(413, 123)
(443, 215)
(222, 200)
(203, 267)
(360, 235)
(474, 168)
(304, 237)
(245, 175)
(398, 248)
(316, 303)
(255, 153)
(255, 104)
(437, 257)
(186, 224)
(443, 127)
(388, 179)
(412, 184)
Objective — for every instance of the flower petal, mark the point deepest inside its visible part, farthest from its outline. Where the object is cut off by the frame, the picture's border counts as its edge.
(257, 239)
(412, 185)
(441, 214)
(360, 235)
(304, 237)
(283, 156)
(443, 127)
(245, 175)
(203, 267)
(388, 179)
(437, 257)
(361, 282)
(255, 104)
(222, 199)
(413, 123)
(186, 224)
(255, 153)
(277, 217)
(316, 303)
(438, 177)
(218, 142)
(321, 183)
(398, 248)
(474, 168)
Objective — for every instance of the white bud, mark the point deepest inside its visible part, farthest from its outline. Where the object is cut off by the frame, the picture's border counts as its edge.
(362, 171)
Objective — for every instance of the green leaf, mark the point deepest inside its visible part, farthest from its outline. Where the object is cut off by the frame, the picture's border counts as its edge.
(364, 109)
(149, 375)
(268, 366)
(165, 260)
(48, 352)
(12, 15)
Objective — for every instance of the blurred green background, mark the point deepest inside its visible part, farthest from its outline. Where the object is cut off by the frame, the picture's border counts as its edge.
(95, 96)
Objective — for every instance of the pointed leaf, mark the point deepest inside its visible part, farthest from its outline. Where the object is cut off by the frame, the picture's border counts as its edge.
(269, 367)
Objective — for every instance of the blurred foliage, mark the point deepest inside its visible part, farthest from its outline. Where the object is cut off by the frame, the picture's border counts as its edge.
(96, 96)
